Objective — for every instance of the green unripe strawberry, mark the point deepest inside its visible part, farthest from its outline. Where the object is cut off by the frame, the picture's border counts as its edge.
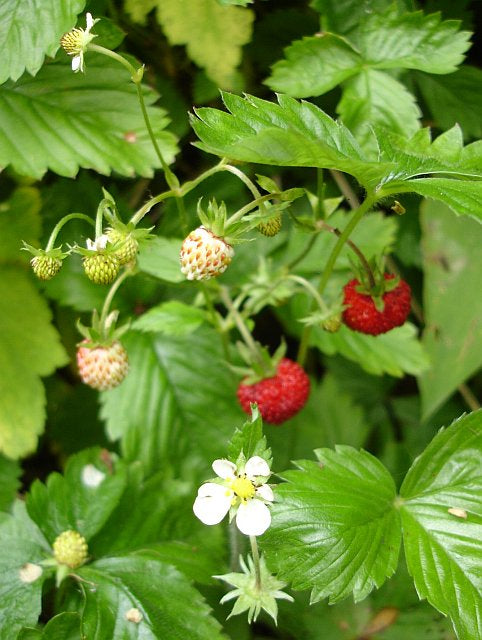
(101, 268)
(70, 549)
(128, 248)
(332, 324)
(271, 227)
(45, 267)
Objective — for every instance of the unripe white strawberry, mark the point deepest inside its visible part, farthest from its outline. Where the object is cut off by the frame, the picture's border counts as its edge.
(101, 367)
(204, 255)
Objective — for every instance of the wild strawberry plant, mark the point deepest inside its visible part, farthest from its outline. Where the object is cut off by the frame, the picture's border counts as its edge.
(301, 247)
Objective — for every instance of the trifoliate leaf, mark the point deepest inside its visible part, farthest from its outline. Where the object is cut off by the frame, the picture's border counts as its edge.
(82, 499)
(314, 65)
(375, 98)
(23, 548)
(62, 121)
(442, 523)
(213, 34)
(452, 265)
(335, 529)
(387, 40)
(140, 596)
(31, 30)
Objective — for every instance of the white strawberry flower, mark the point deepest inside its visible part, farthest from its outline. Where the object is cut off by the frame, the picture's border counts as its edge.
(98, 244)
(75, 42)
(243, 489)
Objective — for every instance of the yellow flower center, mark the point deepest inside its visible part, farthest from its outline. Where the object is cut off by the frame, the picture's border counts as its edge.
(243, 488)
(73, 41)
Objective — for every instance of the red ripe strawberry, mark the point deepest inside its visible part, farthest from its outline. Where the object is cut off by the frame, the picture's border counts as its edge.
(102, 368)
(279, 398)
(361, 313)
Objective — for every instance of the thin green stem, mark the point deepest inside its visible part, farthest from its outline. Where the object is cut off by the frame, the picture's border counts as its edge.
(136, 77)
(192, 184)
(244, 178)
(320, 212)
(109, 297)
(242, 328)
(255, 554)
(99, 219)
(137, 217)
(60, 224)
(309, 287)
(216, 320)
(303, 253)
(251, 205)
(181, 210)
(357, 216)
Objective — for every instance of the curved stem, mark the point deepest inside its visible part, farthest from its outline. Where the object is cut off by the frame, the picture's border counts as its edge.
(252, 205)
(109, 297)
(255, 554)
(309, 287)
(136, 77)
(137, 217)
(216, 320)
(242, 328)
(357, 216)
(60, 224)
(244, 178)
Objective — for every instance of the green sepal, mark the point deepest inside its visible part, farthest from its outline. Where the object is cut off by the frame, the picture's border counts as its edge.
(102, 335)
(263, 366)
(57, 253)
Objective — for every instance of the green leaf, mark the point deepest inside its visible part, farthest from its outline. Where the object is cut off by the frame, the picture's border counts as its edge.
(286, 134)
(314, 65)
(31, 30)
(396, 352)
(413, 41)
(334, 526)
(62, 121)
(442, 547)
(82, 499)
(65, 626)
(19, 220)
(344, 15)
(30, 348)
(169, 607)
(455, 98)
(242, 3)
(330, 417)
(20, 599)
(9, 482)
(169, 399)
(173, 318)
(160, 258)
(374, 97)
(213, 35)
(464, 197)
(452, 267)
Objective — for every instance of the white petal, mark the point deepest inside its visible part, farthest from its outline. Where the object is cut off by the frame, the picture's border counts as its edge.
(212, 503)
(77, 63)
(224, 469)
(256, 466)
(89, 21)
(253, 517)
(90, 243)
(265, 492)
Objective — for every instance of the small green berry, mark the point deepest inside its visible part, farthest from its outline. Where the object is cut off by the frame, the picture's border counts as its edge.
(271, 227)
(332, 324)
(70, 548)
(127, 252)
(101, 268)
(45, 267)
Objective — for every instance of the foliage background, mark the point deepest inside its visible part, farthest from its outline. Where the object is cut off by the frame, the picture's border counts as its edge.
(63, 138)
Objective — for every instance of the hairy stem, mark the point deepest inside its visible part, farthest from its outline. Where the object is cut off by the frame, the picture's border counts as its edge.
(109, 297)
(255, 554)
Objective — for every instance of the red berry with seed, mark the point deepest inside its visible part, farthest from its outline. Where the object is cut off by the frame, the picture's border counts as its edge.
(361, 313)
(278, 398)
(101, 367)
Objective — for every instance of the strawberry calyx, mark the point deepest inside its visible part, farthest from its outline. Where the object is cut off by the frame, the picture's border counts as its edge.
(375, 282)
(102, 332)
(260, 365)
